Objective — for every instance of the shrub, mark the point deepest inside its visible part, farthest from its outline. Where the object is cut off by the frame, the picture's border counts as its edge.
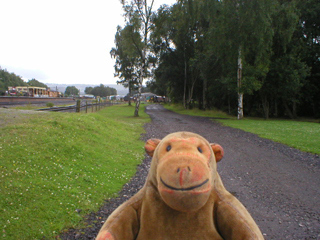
(49, 104)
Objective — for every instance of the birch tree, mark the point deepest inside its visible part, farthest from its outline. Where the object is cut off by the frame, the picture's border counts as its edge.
(138, 15)
(243, 39)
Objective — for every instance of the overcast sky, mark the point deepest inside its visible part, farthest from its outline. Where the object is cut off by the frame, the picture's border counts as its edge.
(61, 41)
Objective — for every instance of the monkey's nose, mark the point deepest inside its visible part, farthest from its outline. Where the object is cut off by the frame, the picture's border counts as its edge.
(184, 174)
(187, 168)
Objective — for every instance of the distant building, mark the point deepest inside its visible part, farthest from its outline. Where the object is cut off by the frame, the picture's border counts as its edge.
(90, 96)
(54, 94)
(150, 97)
(32, 92)
(115, 97)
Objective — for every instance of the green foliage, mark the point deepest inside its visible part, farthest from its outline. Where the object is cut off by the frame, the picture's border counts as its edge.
(49, 104)
(9, 80)
(132, 53)
(88, 90)
(72, 91)
(310, 30)
(56, 167)
(198, 44)
(35, 83)
(12, 80)
(127, 56)
(103, 91)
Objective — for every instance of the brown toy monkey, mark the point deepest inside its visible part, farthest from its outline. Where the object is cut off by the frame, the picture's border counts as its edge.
(183, 197)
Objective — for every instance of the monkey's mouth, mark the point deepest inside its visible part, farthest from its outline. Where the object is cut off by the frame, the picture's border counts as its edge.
(184, 189)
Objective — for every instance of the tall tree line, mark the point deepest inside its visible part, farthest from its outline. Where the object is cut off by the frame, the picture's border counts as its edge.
(246, 57)
(102, 91)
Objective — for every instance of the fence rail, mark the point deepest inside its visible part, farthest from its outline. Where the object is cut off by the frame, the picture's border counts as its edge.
(81, 106)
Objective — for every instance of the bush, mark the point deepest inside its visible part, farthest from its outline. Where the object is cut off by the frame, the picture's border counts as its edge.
(49, 104)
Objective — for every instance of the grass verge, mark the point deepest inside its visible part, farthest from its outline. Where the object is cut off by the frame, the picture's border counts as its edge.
(178, 108)
(57, 167)
(304, 136)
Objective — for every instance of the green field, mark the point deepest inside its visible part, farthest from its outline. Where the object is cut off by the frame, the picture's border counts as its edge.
(57, 167)
(298, 134)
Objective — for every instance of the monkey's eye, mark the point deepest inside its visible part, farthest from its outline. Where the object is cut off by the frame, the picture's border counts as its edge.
(168, 148)
(199, 149)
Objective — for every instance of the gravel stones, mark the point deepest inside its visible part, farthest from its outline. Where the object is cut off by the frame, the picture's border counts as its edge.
(279, 185)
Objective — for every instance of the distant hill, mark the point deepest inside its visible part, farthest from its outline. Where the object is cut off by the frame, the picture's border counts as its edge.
(62, 87)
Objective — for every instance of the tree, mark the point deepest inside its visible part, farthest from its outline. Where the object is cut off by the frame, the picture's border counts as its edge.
(287, 71)
(216, 52)
(88, 90)
(103, 91)
(9, 80)
(71, 91)
(216, 37)
(127, 58)
(309, 29)
(35, 83)
(243, 39)
(174, 37)
(138, 16)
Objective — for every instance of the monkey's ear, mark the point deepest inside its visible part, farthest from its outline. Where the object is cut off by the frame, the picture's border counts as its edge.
(151, 145)
(218, 151)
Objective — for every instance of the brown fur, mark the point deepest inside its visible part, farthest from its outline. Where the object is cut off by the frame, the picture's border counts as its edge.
(183, 197)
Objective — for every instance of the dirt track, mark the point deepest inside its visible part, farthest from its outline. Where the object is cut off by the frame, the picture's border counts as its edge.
(280, 186)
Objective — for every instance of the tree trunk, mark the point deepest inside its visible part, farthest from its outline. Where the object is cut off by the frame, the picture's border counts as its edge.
(189, 102)
(275, 108)
(294, 110)
(129, 93)
(229, 105)
(204, 90)
(240, 94)
(185, 80)
(136, 112)
(265, 105)
(288, 111)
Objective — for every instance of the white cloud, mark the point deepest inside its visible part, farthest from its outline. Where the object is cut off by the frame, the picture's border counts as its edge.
(61, 41)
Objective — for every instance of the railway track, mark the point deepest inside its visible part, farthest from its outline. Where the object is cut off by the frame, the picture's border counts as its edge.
(70, 108)
(16, 101)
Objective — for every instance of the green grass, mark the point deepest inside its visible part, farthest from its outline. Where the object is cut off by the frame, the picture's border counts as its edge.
(196, 112)
(301, 135)
(54, 165)
(304, 136)
(28, 107)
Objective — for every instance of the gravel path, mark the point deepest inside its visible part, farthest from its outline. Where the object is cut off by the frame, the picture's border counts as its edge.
(280, 186)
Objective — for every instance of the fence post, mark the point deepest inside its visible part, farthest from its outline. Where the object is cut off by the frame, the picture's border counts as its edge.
(86, 106)
(78, 106)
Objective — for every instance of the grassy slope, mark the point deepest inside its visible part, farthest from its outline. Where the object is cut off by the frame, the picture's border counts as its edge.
(301, 135)
(53, 165)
